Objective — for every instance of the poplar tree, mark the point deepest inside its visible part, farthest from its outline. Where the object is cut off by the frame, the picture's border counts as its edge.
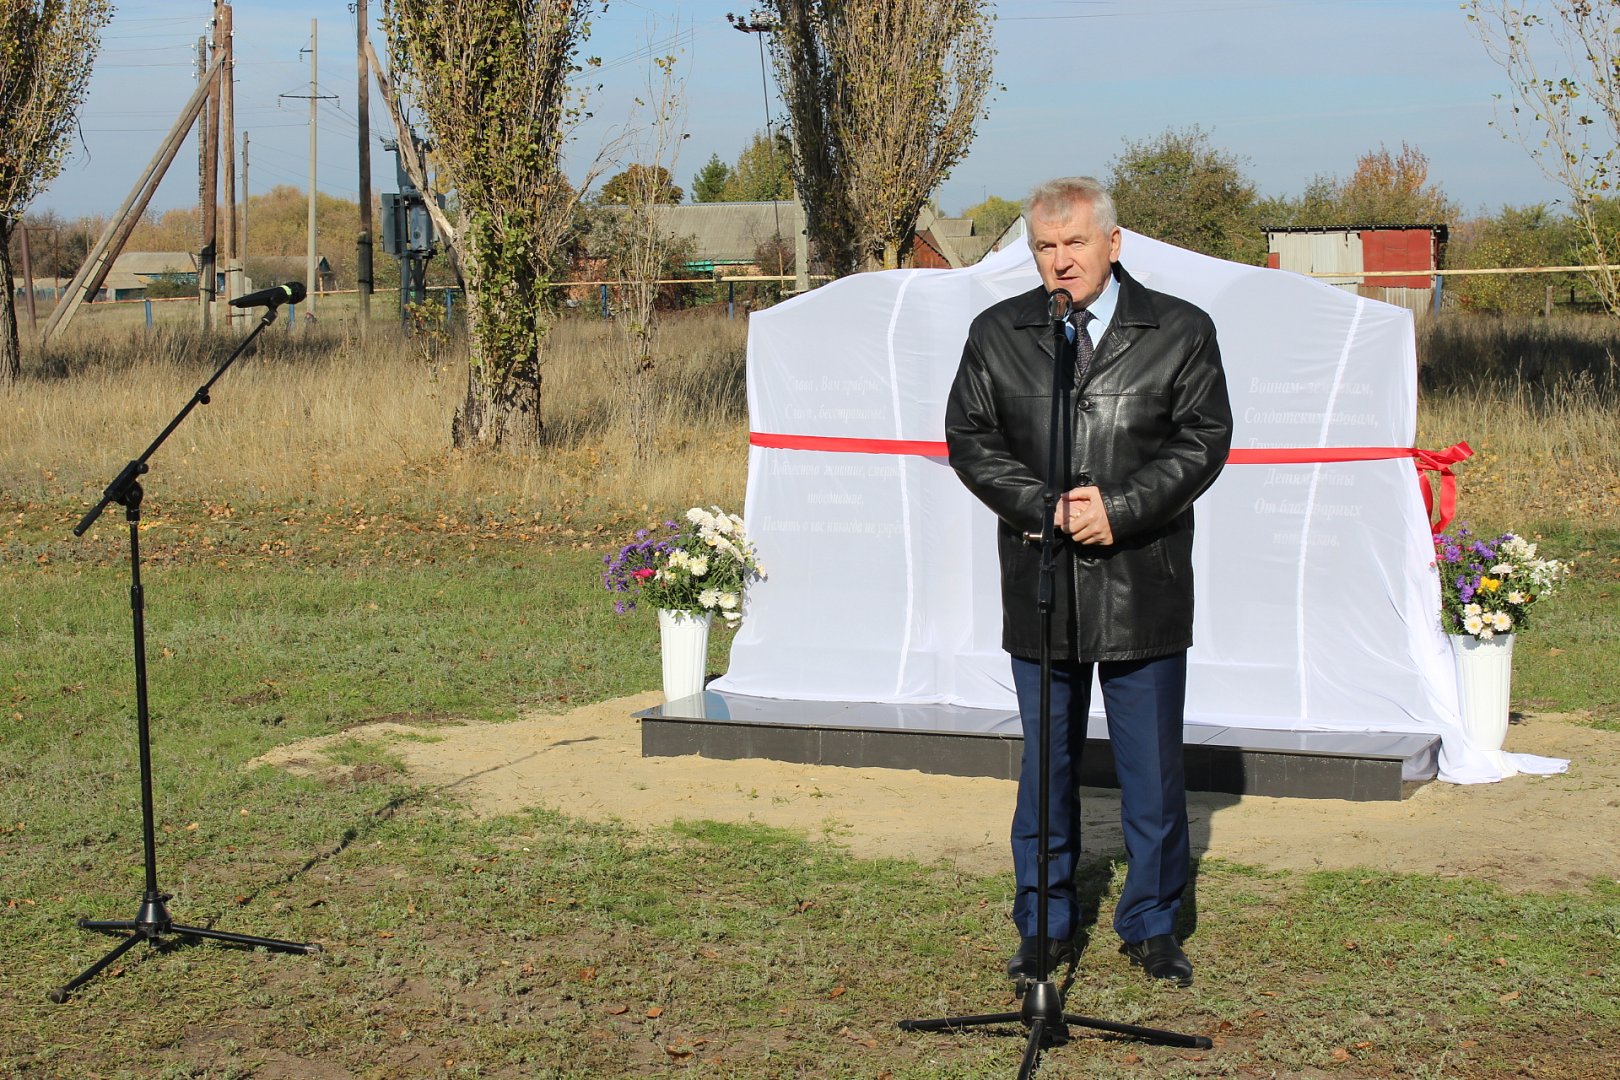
(883, 97)
(47, 48)
(492, 79)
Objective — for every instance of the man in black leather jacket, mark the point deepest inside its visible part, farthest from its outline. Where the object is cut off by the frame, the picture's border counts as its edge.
(1151, 430)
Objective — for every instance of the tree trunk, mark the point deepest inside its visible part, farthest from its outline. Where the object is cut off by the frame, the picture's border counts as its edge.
(505, 326)
(505, 415)
(10, 347)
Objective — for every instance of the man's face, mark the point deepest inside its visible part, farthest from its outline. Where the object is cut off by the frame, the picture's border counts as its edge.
(1071, 252)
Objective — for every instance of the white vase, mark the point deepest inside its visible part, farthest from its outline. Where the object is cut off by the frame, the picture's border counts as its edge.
(1484, 675)
(684, 644)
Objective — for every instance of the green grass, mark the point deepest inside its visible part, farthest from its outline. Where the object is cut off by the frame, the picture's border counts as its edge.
(1569, 660)
(541, 946)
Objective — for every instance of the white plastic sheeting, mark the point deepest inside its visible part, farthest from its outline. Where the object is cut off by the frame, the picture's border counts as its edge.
(1316, 604)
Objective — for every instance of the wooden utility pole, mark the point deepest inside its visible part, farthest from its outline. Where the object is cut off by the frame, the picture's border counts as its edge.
(92, 272)
(208, 177)
(208, 157)
(309, 269)
(227, 142)
(363, 110)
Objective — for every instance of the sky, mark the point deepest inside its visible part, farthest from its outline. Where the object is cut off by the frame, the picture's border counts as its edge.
(1294, 88)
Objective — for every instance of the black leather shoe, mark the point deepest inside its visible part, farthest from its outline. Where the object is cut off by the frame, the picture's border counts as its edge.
(1026, 960)
(1161, 957)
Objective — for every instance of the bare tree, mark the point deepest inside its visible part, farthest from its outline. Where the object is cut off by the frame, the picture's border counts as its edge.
(642, 259)
(882, 97)
(47, 48)
(1562, 58)
(492, 79)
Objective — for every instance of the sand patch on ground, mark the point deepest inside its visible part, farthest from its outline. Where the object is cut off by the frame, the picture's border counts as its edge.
(1527, 832)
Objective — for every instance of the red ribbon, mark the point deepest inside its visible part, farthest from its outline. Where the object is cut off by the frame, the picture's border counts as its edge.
(1427, 461)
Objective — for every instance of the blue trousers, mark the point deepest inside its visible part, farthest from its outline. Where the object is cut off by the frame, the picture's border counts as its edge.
(1144, 701)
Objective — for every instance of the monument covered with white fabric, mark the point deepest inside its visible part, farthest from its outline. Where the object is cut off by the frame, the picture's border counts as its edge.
(1316, 601)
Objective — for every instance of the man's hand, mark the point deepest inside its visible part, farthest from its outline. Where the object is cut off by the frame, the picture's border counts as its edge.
(1080, 513)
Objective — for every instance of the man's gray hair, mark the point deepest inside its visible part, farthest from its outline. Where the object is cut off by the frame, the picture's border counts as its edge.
(1055, 197)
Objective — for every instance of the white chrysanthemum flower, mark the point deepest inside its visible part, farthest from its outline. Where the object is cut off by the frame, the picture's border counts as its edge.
(1472, 609)
(1502, 622)
(1474, 624)
(1517, 597)
(698, 566)
(728, 600)
(1486, 634)
(709, 598)
(696, 515)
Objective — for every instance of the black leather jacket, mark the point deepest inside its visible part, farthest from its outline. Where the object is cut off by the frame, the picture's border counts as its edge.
(1152, 427)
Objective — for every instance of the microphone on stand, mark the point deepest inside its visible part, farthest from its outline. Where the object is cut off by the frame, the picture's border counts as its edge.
(276, 295)
(1059, 302)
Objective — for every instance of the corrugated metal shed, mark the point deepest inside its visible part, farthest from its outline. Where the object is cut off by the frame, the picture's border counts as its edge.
(1344, 254)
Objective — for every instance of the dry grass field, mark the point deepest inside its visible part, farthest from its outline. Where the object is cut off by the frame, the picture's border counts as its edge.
(316, 416)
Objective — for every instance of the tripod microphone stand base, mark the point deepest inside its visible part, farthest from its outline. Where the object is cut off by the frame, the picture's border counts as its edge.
(152, 924)
(1048, 1024)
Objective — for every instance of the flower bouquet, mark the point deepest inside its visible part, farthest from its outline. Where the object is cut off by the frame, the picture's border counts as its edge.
(700, 565)
(1488, 587)
(1487, 590)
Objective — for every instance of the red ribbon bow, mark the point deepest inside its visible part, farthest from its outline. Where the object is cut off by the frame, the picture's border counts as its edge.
(1441, 461)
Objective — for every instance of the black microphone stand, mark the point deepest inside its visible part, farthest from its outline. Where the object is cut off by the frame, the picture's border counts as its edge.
(1043, 999)
(152, 921)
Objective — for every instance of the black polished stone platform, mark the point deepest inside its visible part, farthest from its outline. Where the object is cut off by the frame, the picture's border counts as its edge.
(1360, 766)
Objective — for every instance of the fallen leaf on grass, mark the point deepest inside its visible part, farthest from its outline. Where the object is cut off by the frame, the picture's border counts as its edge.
(655, 1012)
(1131, 1059)
(1505, 998)
(1351, 946)
(586, 974)
(837, 991)
(1500, 961)
(1340, 1054)
(617, 1010)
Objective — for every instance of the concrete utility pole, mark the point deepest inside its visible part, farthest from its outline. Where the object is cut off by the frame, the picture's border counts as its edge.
(314, 97)
(363, 109)
(242, 247)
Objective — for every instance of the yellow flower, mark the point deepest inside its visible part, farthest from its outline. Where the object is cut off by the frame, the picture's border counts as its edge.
(1490, 584)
